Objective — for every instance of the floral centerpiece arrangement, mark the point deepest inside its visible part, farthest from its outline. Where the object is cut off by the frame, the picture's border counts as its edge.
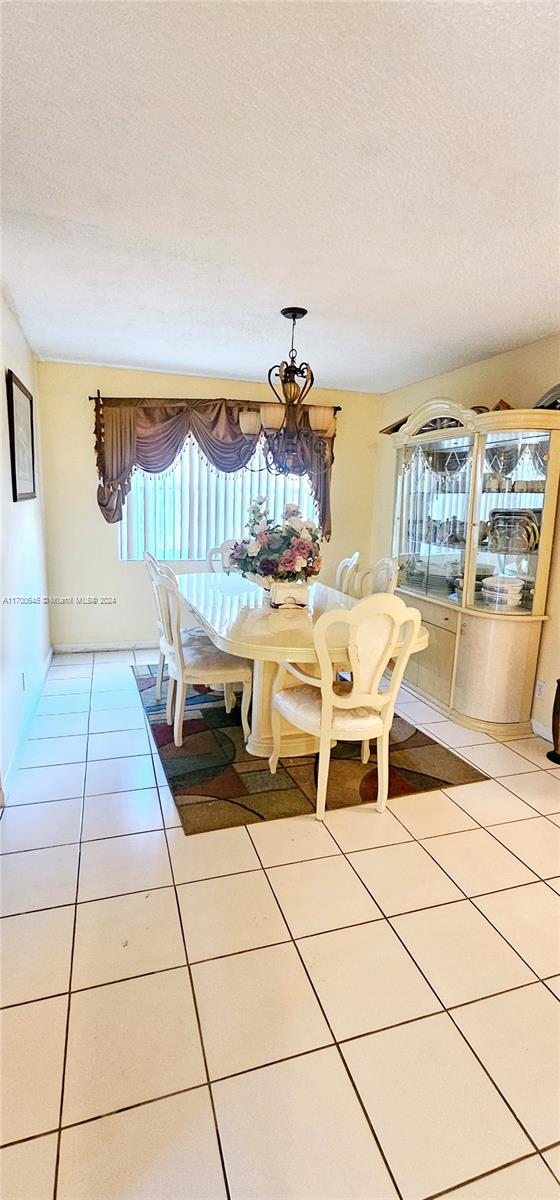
(284, 553)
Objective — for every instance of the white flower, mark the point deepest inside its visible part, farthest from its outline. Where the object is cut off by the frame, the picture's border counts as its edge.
(310, 525)
(291, 510)
(304, 534)
(261, 501)
(253, 548)
(261, 526)
(295, 523)
(300, 563)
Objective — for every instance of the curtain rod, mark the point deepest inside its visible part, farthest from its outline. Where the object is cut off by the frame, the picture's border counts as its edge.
(176, 401)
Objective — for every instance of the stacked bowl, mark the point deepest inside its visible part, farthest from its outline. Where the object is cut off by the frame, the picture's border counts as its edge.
(502, 591)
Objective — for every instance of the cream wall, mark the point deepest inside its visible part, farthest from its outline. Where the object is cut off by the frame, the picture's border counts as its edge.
(24, 635)
(520, 377)
(83, 551)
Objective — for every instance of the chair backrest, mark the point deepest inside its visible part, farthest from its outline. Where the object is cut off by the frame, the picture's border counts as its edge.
(152, 564)
(168, 572)
(382, 577)
(385, 575)
(359, 584)
(168, 602)
(345, 572)
(155, 568)
(381, 631)
(218, 556)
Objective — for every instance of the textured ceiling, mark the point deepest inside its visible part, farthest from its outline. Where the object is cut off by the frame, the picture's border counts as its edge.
(174, 173)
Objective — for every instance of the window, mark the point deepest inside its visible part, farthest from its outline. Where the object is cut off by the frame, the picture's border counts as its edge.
(189, 509)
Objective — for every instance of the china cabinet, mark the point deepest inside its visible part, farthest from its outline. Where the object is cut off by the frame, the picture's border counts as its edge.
(476, 499)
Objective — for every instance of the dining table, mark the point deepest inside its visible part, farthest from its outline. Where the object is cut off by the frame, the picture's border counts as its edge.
(237, 615)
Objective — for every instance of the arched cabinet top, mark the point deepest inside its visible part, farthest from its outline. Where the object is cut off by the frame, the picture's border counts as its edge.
(436, 418)
(444, 418)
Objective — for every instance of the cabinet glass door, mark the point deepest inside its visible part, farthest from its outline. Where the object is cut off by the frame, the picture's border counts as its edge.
(510, 502)
(433, 503)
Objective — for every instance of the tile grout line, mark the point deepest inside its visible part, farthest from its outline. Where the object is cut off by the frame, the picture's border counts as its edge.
(532, 766)
(72, 947)
(457, 1027)
(424, 1017)
(469, 899)
(489, 829)
(46, 737)
(60, 799)
(334, 1040)
(114, 1112)
(249, 1071)
(289, 862)
(192, 988)
(535, 812)
(336, 853)
(77, 762)
(270, 946)
(479, 895)
(486, 1175)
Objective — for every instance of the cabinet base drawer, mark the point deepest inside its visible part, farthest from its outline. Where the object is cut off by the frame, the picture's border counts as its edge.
(431, 612)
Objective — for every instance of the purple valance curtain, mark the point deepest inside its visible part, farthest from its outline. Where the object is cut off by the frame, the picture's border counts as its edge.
(150, 434)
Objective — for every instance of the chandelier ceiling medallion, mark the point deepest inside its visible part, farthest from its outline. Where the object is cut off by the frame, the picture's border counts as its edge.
(287, 438)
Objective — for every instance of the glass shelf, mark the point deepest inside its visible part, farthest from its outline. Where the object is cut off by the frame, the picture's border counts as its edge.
(434, 486)
(445, 536)
(508, 515)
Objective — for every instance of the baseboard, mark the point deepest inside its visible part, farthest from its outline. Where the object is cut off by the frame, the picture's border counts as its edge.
(36, 695)
(544, 731)
(89, 647)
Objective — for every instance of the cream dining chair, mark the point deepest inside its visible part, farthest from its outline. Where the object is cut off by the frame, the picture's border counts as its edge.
(154, 567)
(218, 557)
(382, 577)
(345, 573)
(218, 562)
(381, 631)
(195, 661)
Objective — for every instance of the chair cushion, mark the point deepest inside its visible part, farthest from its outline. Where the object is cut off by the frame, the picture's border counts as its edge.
(195, 631)
(204, 659)
(301, 706)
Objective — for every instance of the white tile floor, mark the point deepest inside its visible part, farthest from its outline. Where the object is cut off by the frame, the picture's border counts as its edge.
(367, 1007)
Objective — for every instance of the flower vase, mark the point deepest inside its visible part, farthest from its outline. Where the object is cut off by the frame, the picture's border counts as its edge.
(289, 595)
(262, 581)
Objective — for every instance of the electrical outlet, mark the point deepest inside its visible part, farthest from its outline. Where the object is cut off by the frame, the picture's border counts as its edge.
(540, 690)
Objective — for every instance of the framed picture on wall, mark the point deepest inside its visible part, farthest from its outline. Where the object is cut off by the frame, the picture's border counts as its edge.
(22, 450)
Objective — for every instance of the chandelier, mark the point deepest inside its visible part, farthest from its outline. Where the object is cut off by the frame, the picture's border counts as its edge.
(288, 441)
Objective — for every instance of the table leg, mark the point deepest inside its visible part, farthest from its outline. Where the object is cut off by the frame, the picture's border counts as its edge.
(294, 742)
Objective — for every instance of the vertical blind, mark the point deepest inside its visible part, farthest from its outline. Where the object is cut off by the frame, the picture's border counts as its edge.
(184, 512)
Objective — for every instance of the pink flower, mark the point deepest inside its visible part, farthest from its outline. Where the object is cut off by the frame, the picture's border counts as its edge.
(301, 547)
(287, 560)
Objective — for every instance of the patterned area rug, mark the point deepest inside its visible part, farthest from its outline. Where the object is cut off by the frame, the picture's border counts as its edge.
(216, 783)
